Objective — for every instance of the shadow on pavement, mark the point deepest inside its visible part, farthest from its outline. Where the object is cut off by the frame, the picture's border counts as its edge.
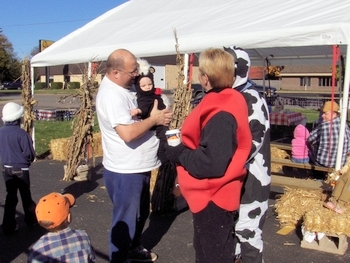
(79, 188)
(12, 246)
(159, 225)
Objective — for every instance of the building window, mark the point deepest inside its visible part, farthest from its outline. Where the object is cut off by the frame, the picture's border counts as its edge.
(304, 81)
(326, 82)
(51, 79)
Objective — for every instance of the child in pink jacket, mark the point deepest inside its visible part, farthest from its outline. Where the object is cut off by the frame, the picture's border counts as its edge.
(300, 151)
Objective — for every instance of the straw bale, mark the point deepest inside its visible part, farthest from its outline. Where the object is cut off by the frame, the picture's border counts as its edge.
(277, 153)
(327, 221)
(298, 206)
(98, 144)
(293, 204)
(59, 150)
(153, 179)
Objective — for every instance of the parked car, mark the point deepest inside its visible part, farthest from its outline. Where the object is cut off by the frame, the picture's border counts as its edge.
(11, 85)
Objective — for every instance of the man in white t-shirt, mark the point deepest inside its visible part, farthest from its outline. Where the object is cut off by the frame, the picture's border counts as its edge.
(129, 156)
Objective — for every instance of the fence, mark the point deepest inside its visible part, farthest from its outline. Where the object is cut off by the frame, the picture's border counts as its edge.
(55, 115)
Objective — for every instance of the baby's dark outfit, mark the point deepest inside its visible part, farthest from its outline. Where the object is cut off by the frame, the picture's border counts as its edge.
(145, 101)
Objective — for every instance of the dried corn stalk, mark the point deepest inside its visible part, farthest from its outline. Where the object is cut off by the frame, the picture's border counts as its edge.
(82, 125)
(182, 95)
(27, 97)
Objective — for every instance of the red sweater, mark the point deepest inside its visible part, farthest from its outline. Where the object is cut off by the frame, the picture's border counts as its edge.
(225, 191)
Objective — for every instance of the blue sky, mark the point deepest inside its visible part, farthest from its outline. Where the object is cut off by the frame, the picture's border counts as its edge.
(25, 22)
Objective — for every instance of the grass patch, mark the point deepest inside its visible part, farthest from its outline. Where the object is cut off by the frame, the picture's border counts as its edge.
(45, 131)
(311, 115)
(280, 131)
(286, 132)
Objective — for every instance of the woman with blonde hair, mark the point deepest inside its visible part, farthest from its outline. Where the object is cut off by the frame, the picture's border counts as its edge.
(216, 142)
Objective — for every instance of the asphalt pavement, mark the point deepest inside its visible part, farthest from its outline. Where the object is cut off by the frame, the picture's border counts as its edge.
(170, 235)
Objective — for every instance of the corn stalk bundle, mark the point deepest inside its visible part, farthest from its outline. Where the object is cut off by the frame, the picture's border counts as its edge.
(27, 97)
(182, 95)
(82, 127)
(163, 199)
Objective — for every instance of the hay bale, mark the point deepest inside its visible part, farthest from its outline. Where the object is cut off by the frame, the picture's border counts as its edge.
(298, 206)
(58, 148)
(327, 221)
(59, 151)
(278, 153)
(293, 204)
(98, 144)
(153, 179)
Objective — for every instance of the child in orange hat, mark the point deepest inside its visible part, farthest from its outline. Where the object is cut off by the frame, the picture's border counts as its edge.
(61, 243)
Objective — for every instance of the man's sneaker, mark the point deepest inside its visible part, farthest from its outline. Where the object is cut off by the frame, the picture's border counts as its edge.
(140, 254)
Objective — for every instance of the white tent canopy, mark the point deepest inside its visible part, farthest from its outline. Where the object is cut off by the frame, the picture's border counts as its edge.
(287, 29)
(294, 32)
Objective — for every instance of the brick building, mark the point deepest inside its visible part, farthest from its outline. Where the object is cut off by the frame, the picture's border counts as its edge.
(306, 78)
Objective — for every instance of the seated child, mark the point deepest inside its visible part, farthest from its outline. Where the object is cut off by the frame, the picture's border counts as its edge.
(61, 243)
(300, 151)
(146, 93)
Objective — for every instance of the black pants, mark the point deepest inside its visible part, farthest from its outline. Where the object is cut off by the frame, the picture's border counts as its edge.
(17, 180)
(214, 234)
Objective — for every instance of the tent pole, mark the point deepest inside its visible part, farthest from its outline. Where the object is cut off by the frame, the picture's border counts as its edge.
(89, 70)
(32, 87)
(344, 108)
(186, 60)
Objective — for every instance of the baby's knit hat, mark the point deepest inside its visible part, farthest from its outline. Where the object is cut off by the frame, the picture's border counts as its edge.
(145, 70)
(54, 208)
(12, 111)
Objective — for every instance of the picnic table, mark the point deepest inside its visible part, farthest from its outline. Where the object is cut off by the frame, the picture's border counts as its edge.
(286, 118)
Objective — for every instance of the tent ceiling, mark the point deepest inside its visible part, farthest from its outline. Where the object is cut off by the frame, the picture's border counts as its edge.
(294, 32)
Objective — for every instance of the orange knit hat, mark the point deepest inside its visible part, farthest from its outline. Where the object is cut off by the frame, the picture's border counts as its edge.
(328, 106)
(54, 208)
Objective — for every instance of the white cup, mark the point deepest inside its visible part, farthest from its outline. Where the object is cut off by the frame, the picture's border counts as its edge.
(173, 137)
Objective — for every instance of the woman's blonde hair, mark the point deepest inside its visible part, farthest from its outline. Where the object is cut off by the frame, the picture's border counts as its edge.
(218, 65)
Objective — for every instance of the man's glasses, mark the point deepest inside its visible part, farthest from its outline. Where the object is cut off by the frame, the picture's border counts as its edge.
(131, 74)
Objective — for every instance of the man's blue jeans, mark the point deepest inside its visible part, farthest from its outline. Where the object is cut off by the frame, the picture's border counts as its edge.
(130, 195)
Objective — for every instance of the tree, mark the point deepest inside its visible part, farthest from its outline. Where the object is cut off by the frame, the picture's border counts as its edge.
(34, 51)
(10, 66)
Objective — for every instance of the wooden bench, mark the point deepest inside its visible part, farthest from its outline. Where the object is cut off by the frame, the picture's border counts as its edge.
(282, 146)
(288, 162)
(307, 166)
(281, 179)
